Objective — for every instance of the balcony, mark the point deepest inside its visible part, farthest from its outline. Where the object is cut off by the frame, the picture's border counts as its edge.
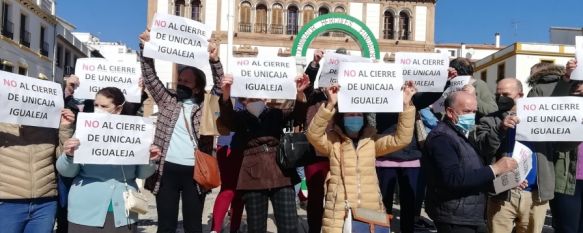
(44, 49)
(276, 29)
(8, 29)
(292, 29)
(260, 28)
(25, 38)
(244, 27)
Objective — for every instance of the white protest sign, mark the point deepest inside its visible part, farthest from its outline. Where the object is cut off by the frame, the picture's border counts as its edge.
(578, 72)
(456, 84)
(427, 70)
(265, 78)
(544, 119)
(97, 73)
(523, 156)
(328, 72)
(113, 139)
(29, 101)
(180, 40)
(370, 87)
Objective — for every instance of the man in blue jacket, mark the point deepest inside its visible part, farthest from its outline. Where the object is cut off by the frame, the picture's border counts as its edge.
(457, 177)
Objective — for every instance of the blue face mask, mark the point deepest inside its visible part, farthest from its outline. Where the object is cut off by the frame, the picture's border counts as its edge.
(466, 122)
(353, 124)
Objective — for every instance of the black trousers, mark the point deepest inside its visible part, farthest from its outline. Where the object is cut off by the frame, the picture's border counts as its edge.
(284, 209)
(108, 227)
(407, 178)
(452, 228)
(177, 181)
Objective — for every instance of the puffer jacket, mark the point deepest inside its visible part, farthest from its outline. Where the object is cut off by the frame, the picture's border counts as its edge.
(548, 82)
(27, 158)
(362, 186)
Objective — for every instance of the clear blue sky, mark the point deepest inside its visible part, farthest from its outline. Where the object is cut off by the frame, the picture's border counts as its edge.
(456, 20)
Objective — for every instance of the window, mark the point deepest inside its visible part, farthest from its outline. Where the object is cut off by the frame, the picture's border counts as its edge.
(261, 19)
(245, 17)
(308, 14)
(277, 19)
(22, 70)
(67, 58)
(484, 76)
(74, 60)
(452, 53)
(404, 26)
(7, 25)
(179, 7)
(59, 59)
(501, 72)
(340, 10)
(24, 33)
(196, 9)
(7, 66)
(44, 46)
(292, 20)
(322, 11)
(389, 26)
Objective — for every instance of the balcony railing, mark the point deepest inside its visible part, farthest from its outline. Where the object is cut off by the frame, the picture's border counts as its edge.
(276, 29)
(244, 27)
(261, 28)
(292, 29)
(25, 38)
(44, 49)
(8, 29)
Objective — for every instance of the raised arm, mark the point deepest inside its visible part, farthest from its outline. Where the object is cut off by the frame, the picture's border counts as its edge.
(316, 132)
(216, 68)
(157, 89)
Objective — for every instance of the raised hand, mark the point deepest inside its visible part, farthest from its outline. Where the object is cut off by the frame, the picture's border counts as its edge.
(409, 90)
(155, 152)
(332, 94)
(302, 82)
(67, 117)
(71, 146)
(570, 67)
(226, 83)
(213, 51)
(145, 36)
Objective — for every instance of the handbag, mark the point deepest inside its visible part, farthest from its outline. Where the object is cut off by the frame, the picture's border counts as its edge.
(206, 168)
(420, 132)
(294, 150)
(134, 201)
(209, 123)
(363, 220)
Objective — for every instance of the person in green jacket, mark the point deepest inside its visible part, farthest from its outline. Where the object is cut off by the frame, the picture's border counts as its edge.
(548, 80)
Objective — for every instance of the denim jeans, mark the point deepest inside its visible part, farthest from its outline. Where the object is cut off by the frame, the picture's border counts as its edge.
(28, 216)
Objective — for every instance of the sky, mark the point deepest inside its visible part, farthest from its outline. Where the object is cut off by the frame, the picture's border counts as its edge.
(456, 21)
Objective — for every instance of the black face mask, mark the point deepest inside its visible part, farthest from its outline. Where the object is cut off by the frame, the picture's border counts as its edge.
(183, 92)
(504, 103)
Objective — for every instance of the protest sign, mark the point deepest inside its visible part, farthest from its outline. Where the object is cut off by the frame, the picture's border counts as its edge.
(578, 72)
(180, 40)
(456, 84)
(265, 78)
(97, 73)
(427, 70)
(328, 72)
(523, 156)
(29, 101)
(113, 139)
(370, 87)
(546, 119)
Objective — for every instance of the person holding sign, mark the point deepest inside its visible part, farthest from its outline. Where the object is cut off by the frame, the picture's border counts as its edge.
(486, 102)
(352, 147)
(96, 203)
(522, 208)
(457, 178)
(28, 175)
(260, 177)
(179, 111)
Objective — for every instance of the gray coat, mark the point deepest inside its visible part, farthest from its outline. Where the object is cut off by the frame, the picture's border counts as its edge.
(491, 142)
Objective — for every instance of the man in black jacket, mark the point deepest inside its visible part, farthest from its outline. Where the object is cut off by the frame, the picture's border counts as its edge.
(456, 175)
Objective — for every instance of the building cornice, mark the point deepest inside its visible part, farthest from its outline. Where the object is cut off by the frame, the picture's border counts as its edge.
(24, 48)
(36, 9)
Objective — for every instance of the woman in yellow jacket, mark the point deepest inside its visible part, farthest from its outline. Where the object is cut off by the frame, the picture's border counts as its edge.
(360, 145)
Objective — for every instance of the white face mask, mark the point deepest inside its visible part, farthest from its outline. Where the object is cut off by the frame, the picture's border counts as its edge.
(255, 108)
(100, 110)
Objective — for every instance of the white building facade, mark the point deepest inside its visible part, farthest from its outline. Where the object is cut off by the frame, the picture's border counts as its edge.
(517, 59)
(27, 39)
(68, 50)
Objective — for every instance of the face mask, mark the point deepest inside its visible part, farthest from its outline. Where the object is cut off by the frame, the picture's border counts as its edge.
(504, 103)
(183, 92)
(466, 122)
(353, 124)
(255, 108)
(100, 110)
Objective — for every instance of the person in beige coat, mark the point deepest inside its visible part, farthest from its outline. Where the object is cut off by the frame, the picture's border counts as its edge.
(360, 145)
